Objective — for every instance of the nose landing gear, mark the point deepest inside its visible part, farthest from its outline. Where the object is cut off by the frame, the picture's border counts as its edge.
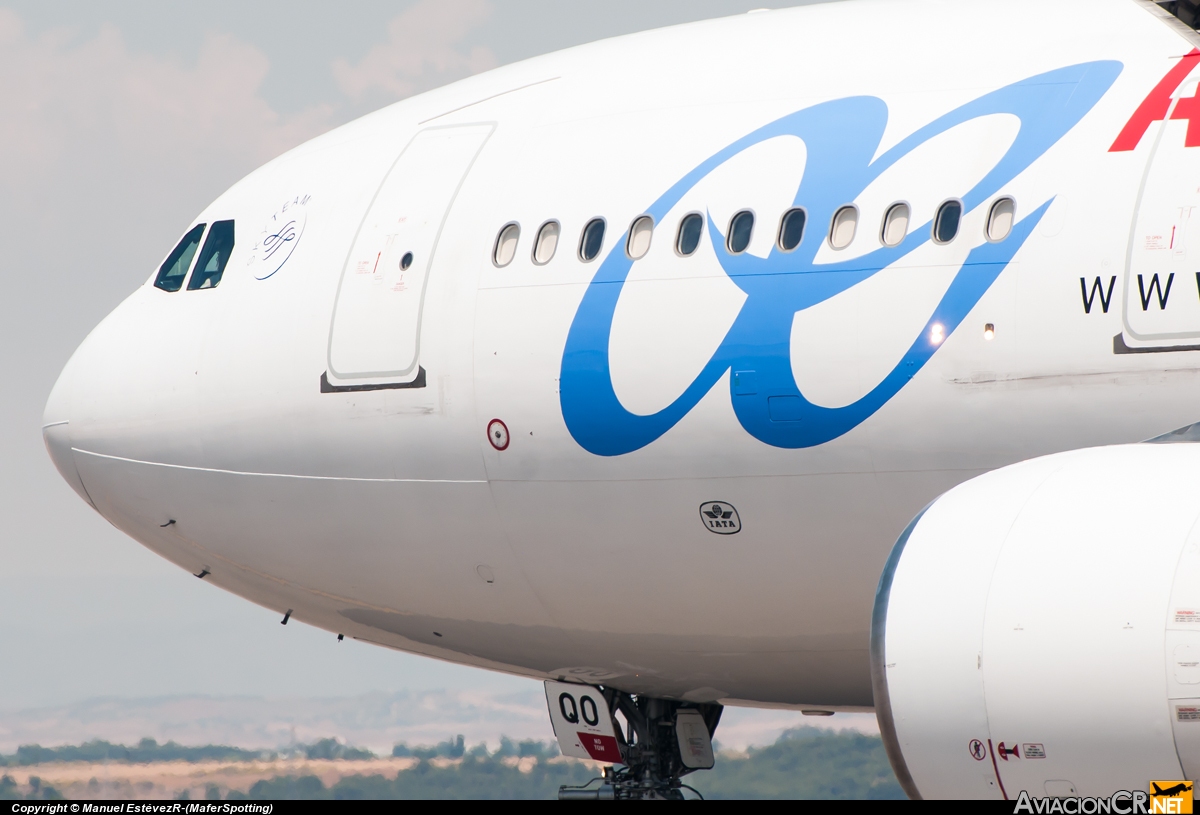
(662, 741)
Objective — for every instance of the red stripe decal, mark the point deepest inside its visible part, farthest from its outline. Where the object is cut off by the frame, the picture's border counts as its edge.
(996, 766)
(1155, 106)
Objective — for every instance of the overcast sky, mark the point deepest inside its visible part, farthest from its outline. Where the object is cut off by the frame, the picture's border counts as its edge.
(118, 122)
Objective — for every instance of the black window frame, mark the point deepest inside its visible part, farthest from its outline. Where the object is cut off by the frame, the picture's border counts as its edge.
(991, 219)
(749, 238)
(697, 216)
(783, 222)
(583, 236)
(504, 230)
(938, 217)
(214, 242)
(888, 219)
(161, 280)
(833, 225)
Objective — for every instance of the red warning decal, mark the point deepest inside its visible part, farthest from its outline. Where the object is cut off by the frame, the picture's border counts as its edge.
(1005, 752)
(601, 748)
(1156, 106)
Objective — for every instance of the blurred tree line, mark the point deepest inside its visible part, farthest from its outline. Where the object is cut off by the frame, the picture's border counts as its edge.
(149, 751)
(805, 763)
(37, 790)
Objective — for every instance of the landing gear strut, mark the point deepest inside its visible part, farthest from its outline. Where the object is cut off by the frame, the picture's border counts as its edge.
(663, 740)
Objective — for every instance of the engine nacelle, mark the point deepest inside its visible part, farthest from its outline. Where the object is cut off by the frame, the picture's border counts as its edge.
(1038, 628)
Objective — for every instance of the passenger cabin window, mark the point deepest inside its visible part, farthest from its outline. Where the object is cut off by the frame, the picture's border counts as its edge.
(213, 257)
(592, 240)
(791, 229)
(506, 245)
(1000, 219)
(690, 230)
(640, 234)
(741, 229)
(843, 227)
(895, 224)
(546, 244)
(175, 267)
(945, 225)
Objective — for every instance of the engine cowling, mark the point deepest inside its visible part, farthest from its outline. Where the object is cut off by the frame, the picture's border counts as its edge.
(1038, 628)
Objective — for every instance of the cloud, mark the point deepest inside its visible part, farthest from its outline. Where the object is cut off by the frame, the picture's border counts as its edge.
(424, 49)
(107, 153)
(60, 95)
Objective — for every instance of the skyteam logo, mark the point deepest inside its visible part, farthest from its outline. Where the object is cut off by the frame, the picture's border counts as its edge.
(841, 138)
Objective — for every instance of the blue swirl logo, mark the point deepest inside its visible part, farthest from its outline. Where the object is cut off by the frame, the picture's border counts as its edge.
(275, 241)
(279, 238)
(841, 138)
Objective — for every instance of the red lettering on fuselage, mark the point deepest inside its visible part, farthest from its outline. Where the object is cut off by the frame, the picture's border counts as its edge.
(1156, 106)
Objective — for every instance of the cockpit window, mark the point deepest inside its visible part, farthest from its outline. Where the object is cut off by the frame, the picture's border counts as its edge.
(213, 257)
(175, 267)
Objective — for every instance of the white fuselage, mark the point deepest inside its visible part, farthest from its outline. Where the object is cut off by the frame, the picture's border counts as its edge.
(265, 416)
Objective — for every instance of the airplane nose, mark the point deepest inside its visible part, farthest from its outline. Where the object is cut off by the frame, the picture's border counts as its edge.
(56, 430)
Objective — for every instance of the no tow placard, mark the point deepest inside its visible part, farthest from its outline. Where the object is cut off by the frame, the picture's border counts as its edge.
(582, 722)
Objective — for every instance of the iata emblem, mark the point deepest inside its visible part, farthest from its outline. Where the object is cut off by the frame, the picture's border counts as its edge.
(720, 517)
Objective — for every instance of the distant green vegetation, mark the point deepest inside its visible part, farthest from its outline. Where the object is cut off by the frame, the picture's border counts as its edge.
(332, 750)
(38, 790)
(481, 775)
(805, 763)
(146, 751)
(456, 748)
(476, 778)
(149, 751)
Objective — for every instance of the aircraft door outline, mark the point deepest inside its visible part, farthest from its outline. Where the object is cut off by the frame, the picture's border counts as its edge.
(378, 313)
